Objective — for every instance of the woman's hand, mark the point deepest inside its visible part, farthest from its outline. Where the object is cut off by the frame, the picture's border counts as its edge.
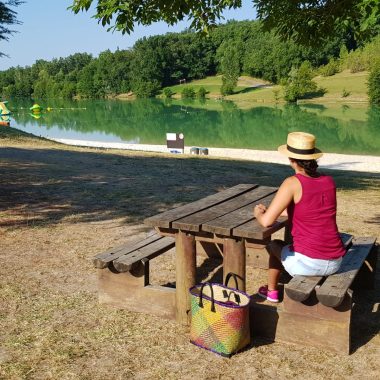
(259, 210)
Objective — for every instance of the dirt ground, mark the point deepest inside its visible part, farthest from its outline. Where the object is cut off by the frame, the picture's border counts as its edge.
(61, 205)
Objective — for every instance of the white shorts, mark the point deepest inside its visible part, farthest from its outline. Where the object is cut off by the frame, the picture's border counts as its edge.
(298, 264)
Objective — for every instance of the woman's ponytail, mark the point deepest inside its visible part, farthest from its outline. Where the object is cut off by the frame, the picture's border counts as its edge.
(310, 167)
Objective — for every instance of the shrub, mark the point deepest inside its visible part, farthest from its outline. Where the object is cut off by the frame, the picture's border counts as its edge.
(300, 83)
(374, 83)
(188, 93)
(168, 93)
(330, 68)
(276, 94)
(362, 59)
(226, 89)
(145, 89)
(356, 62)
(202, 93)
(345, 93)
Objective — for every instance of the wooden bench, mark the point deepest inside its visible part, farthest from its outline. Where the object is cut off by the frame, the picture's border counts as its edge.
(300, 288)
(316, 310)
(123, 277)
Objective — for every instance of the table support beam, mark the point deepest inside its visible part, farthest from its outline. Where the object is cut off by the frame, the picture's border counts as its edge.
(235, 261)
(185, 274)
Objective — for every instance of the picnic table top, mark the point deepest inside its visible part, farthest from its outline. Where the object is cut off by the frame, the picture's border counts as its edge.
(228, 213)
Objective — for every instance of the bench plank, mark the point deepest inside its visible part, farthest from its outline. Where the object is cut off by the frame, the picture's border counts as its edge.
(102, 260)
(124, 263)
(299, 288)
(333, 290)
(194, 222)
(226, 223)
(166, 218)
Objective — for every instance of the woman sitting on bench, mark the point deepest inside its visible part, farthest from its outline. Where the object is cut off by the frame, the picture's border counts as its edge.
(309, 200)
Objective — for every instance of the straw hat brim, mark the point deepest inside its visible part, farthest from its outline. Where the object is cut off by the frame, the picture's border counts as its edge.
(283, 149)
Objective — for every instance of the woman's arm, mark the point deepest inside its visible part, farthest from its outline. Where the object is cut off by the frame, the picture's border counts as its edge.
(284, 196)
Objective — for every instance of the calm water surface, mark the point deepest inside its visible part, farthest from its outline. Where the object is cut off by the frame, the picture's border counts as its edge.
(339, 129)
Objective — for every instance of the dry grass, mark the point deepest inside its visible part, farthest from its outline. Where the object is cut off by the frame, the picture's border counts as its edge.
(61, 205)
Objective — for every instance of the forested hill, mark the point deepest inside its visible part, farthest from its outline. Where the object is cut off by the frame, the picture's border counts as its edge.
(160, 61)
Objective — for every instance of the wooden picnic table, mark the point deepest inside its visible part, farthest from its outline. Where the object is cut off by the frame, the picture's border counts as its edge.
(224, 218)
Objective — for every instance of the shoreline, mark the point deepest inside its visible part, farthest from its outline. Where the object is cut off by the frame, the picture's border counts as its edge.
(336, 161)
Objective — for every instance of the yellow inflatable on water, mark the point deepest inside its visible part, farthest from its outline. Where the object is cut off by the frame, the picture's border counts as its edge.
(35, 108)
(3, 109)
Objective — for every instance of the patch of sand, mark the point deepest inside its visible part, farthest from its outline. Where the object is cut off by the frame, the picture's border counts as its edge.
(329, 160)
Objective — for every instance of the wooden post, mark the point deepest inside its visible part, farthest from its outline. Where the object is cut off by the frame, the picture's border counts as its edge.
(185, 274)
(234, 261)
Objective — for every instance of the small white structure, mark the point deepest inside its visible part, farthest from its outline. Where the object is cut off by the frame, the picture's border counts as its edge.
(175, 141)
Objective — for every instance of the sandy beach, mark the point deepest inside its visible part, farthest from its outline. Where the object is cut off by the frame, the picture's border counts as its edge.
(329, 160)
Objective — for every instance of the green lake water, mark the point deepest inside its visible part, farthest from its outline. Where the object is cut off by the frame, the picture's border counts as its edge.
(339, 128)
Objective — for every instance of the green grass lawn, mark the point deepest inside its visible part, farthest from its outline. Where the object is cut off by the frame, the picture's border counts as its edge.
(252, 91)
(354, 83)
(211, 84)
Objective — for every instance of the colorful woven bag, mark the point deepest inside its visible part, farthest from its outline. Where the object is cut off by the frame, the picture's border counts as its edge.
(219, 318)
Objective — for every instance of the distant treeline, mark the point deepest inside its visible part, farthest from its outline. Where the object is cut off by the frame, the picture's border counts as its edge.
(160, 61)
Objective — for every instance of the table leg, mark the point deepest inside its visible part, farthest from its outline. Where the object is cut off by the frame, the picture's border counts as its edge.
(185, 274)
(234, 261)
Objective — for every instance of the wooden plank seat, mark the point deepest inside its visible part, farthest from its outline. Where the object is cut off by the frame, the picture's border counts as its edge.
(332, 292)
(123, 277)
(320, 307)
(124, 257)
(299, 288)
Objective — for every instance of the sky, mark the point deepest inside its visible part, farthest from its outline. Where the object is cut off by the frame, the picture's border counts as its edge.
(49, 30)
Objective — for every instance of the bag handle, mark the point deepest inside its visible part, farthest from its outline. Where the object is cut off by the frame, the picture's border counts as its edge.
(212, 296)
(225, 293)
(235, 277)
(237, 297)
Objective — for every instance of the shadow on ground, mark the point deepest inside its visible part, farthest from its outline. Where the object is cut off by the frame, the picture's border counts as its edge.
(43, 186)
(366, 312)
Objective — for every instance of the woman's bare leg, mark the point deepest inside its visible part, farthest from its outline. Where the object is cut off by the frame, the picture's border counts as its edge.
(274, 249)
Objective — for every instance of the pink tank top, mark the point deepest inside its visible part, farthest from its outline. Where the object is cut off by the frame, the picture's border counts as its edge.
(313, 219)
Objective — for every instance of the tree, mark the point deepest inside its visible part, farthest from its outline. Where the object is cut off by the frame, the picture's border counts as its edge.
(229, 66)
(129, 12)
(306, 21)
(374, 83)
(311, 21)
(146, 69)
(7, 18)
(300, 83)
(188, 93)
(201, 93)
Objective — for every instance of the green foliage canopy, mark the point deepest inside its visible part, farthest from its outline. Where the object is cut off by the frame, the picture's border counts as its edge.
(160, 61)
(306, 22)
(129, 12)
(374, 83)
(7, 17)
(310, 22)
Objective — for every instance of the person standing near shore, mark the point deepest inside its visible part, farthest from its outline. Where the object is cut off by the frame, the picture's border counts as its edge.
(308, 198)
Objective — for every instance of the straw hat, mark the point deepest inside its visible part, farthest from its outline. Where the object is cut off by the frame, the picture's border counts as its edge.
(300, 145)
